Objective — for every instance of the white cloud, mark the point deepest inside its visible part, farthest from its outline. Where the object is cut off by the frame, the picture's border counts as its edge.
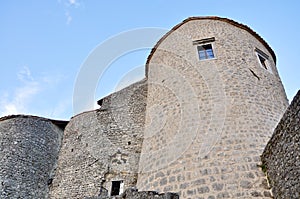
(17, 101)
(25, 74)
(22, 99)
(68, 6)
(74, 3)
(69, 17)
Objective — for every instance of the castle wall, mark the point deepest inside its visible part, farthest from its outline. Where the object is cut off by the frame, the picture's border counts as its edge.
(102, 146)
(207, 121)
(28, 154)
(281, 157)
(193, 127)
(132, 193)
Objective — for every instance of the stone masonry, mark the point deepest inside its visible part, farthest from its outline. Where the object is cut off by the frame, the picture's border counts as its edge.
(193, 128)
(281, 157)
(208, 121)
(132, 193)
(29, 149)
(102, 146)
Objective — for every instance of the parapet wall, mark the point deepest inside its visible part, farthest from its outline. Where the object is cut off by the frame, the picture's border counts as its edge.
(29, 149)
(281, 157)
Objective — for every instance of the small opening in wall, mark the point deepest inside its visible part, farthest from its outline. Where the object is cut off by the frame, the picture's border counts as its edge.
(205, 52)
(116, 188)
(129, 143)
(263, 61)
(50, 180)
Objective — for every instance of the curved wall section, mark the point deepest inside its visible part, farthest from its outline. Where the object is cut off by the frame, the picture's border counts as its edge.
(101, 148)
(29, 150)
(208, 120)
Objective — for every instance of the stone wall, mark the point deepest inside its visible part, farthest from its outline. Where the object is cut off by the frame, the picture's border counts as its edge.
(29, 149)
(208, 121)
(193, 127)
(281, 157)
(102, 146)
(132, 193)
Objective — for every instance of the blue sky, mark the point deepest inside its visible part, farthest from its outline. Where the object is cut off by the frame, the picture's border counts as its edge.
(44, 43)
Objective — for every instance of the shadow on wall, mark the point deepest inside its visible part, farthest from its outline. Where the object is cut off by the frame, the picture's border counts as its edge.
(281, 157)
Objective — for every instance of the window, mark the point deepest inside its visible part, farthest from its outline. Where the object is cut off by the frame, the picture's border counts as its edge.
(116, 188)
(205, 52)
(263, 59)
(205, 48)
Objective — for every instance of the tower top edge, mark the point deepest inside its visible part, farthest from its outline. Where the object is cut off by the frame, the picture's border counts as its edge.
(223, 19)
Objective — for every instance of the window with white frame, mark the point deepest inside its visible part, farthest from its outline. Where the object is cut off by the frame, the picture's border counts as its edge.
(205, 48)
(205, 52)
(263, 60)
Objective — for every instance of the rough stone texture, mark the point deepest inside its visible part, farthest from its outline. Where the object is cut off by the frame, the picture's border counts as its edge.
(29, 149)
(134, 194)
(281, 157)
(207, 122)
(131, 193)
(102, 145)
(196, 128)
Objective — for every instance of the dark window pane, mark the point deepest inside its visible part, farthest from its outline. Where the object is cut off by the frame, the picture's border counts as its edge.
(206, 47)
(262, 61)
(115, 188)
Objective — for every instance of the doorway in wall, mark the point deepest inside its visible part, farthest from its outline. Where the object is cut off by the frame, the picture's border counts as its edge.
(117, 187)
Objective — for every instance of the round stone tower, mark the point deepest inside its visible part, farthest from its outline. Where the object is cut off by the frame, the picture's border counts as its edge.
(29, 147)
(214, 99)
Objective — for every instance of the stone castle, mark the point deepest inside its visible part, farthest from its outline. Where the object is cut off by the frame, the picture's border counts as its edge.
(210, 120)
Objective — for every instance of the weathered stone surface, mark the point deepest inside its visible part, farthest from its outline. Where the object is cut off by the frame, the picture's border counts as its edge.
(192, 127)
(281, 157)
(102, 146)
(134, 194)
(209, 119)
(29, 149)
